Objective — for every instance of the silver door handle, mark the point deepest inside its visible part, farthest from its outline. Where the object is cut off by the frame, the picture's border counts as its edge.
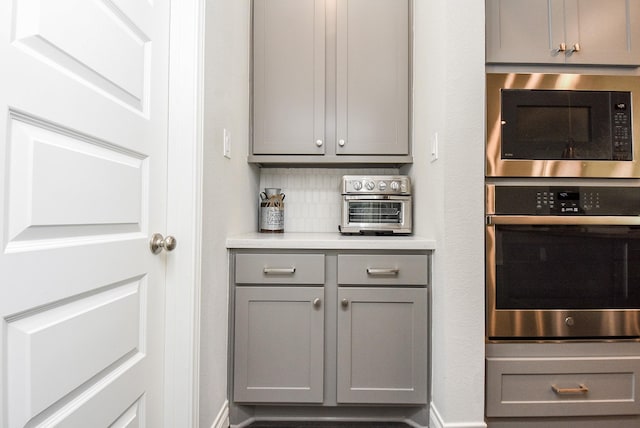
(159, 243)
(317, 302)
(385, 271)
(574, 48)
(345, 303)
(279, 271)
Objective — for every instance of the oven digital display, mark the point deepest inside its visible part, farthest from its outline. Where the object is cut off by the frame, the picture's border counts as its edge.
(568, 196)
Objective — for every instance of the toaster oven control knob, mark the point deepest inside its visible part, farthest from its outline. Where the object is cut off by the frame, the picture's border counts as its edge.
(357, 185)
(395, 186)
(370, 185)
(382, 186)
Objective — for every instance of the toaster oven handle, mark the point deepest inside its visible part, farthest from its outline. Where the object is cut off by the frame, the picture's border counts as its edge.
(382, 271)
(563, 220)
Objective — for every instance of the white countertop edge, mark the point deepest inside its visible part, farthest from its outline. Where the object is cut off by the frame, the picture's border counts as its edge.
(328, 241)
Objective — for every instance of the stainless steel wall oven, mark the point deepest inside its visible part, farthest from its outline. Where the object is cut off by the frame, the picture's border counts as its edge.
(562, 262)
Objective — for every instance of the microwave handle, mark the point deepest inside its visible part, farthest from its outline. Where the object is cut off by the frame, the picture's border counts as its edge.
(563, 220)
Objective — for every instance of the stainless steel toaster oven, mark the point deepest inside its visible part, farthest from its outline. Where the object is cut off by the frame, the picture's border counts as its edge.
(376, 205)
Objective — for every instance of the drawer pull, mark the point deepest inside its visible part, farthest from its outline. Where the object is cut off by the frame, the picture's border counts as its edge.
(279, 271)
(386, 271)
(582, 389)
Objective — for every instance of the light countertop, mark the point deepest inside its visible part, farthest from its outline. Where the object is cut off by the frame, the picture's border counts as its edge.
(328, 241)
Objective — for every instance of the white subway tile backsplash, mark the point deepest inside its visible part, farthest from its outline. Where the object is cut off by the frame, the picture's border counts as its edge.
(312, 195)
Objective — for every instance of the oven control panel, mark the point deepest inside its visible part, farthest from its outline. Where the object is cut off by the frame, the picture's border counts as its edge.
(559, 200)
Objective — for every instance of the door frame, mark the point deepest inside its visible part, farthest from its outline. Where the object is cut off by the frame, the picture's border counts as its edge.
(184, 213)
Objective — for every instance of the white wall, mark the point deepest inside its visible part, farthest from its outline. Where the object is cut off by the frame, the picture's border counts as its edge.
(228, 205)
(449, 194)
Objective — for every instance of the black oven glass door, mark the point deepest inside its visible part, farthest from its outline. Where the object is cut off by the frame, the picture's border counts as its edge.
(560, 124)
(564, 267)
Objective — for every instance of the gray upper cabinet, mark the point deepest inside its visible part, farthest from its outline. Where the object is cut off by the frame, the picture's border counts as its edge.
(331, 81)
(581, 32)
(372, 77)
(288, 77)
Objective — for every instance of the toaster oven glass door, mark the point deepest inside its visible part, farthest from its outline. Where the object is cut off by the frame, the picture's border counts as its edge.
(375, 212)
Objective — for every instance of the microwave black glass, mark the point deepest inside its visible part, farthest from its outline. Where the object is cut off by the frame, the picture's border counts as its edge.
(566, 124)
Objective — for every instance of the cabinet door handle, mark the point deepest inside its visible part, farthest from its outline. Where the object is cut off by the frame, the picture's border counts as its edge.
(383, 271)
(562, 47)
(341, 142)
(345, 303)
(581, 389)
(319, 143)
(317, 302)
(574, 48)
(279, 271)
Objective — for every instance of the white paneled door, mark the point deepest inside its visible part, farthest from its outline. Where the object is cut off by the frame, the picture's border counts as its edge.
(83, 167)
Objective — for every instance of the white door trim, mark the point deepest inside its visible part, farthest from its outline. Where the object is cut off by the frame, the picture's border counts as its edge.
(184, 213)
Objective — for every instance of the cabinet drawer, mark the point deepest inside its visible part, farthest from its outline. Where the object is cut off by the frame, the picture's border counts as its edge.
(280, 268)
(387, 269)
(562, 386)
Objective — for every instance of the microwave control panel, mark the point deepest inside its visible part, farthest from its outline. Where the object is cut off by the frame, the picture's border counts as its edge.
(621, 126)
(569, 200)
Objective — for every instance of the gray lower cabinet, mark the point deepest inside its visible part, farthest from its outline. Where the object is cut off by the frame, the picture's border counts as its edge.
(279, 343)
(366, 313)
(382, 345)
(589, 32)
(330, 81)
(563, 384)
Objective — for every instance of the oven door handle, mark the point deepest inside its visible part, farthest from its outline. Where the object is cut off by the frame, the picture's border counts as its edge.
(564, 220)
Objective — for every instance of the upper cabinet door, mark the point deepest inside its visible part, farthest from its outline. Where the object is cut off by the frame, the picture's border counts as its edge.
(593, 32)
(372, 77)
(288, 77)
(524, 31)
(608, 32)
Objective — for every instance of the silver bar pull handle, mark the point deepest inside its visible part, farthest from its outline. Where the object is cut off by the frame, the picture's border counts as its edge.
(383, 271)
(581, 389)
(279, 271)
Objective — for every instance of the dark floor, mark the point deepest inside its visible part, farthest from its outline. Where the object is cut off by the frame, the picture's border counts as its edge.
(299, 424)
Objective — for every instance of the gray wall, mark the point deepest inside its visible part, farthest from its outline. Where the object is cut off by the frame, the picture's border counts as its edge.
(228, 205)
(449, 99)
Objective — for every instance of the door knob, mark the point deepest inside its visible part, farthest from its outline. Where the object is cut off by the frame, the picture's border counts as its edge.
(159, 242)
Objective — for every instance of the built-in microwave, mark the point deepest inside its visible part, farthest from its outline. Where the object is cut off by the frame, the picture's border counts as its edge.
(562, 125)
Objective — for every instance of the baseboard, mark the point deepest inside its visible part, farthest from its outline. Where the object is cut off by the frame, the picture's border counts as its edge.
(436, 421)
(222, 420)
